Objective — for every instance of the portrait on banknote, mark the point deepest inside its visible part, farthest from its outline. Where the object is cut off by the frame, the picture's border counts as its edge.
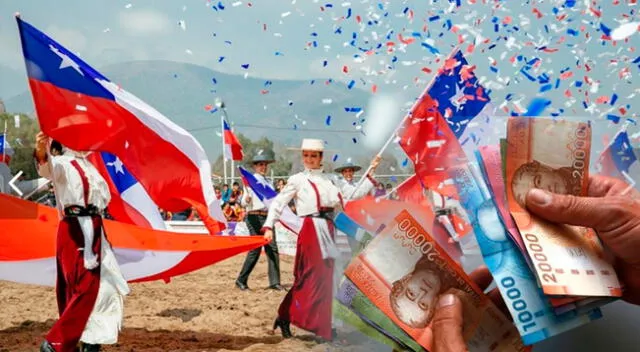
(414, 297)
(536, 174)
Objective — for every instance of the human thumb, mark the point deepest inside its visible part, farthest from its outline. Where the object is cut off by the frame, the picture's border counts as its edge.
(447, 325)
(568, 209)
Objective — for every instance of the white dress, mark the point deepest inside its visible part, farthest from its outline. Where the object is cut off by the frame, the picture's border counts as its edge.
(106, 317)
(311, 191)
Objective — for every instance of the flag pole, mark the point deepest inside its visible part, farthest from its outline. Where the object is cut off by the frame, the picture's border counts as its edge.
(226, 118)
(395, 131)
(4, 143)
(220, 105)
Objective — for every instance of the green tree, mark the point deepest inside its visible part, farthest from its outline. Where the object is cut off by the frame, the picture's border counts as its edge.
(21, 139)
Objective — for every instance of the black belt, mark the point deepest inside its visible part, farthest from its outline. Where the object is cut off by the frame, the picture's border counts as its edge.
(326, 214)
(258, 212)
(76, 210)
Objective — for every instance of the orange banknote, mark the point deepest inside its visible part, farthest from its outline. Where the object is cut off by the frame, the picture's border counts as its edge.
(404, 271)
(554, 156)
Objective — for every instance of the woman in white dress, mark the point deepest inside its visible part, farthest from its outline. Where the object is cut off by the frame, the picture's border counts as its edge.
(90, 286)
(308, 304)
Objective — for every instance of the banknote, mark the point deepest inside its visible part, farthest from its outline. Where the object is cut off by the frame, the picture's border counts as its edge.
(344, 314)
(528, 305)
(351, 297)
(404, 271)
(554, 156)
(580, 307)
(491, 164)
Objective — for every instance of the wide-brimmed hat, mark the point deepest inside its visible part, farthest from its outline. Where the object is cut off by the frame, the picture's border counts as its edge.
(264, 155)
(348, 165)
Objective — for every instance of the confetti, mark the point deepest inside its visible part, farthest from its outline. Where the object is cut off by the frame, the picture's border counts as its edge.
(625, 30)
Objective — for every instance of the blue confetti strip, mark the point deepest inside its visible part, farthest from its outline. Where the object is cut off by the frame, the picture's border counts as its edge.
(613, 118)
(537, 106)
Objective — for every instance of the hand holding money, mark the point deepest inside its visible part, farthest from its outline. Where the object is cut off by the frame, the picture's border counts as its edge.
(613, 214)
(554, 156)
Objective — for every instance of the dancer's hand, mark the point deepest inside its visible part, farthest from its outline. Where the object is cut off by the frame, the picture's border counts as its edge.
(375, 163)
(41, 145)
(268, 235)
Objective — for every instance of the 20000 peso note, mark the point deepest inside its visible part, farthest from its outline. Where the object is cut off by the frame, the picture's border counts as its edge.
(528, 305)
(554, 156)
(404, 271)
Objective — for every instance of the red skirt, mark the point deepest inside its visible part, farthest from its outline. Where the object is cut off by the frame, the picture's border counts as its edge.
(308, 304)
(76, 287)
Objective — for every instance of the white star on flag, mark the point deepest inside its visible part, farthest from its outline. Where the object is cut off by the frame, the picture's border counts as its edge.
(117, 164)
(261, 180)
(66, 60)
(458, 99)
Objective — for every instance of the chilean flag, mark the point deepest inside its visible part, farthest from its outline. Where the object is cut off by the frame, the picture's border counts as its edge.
(618, 159)
(5, 150)
(83, 110)
(130, 202)
(143, 254)
(265, 193)
(232, 146)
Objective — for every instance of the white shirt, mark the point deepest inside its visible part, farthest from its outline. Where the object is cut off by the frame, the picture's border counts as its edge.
(347, 188)
(68, 183)
(256, 203)
(299, 188)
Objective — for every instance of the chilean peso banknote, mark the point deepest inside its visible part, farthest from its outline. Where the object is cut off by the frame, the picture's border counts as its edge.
(554, 156)
(403, 271)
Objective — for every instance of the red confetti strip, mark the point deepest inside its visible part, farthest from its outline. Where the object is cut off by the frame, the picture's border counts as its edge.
(566, 75)
(345, 69)
(404, 40)
(537, 12)
(374, 89)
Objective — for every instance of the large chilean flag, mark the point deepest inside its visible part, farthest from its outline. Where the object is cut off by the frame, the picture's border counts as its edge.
(83, 110)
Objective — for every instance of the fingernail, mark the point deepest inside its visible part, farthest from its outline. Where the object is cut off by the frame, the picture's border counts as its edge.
(447, 300)
(539, 197)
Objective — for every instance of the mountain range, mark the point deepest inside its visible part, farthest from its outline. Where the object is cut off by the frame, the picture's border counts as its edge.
(285, 111)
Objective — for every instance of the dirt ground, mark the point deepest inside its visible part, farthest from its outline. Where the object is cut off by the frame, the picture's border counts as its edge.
(202, 311)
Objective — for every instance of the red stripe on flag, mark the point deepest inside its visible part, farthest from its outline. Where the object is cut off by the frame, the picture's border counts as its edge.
(82, 122)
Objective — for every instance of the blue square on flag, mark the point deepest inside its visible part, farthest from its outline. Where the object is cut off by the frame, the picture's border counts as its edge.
(459, 95)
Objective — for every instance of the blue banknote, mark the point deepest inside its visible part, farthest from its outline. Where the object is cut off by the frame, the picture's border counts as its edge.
(527, 304)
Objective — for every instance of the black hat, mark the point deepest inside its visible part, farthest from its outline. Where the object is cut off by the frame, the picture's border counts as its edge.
(264, 155)
(348, 165)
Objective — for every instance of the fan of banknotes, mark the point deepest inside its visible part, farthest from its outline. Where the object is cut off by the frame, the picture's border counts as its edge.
(552, 277)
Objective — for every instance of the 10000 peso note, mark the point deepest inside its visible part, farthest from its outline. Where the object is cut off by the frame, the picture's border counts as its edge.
(554, 156)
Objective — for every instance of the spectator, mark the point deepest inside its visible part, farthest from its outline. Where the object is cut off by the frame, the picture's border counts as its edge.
(226, 193)
(218, 192)
(392, 195)
(379, 191)
(228, 212)
(236, 193)
(239, 212)
(182, 215)
(280, 183)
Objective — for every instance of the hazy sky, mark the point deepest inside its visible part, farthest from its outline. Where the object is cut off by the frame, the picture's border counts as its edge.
(361, 41)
